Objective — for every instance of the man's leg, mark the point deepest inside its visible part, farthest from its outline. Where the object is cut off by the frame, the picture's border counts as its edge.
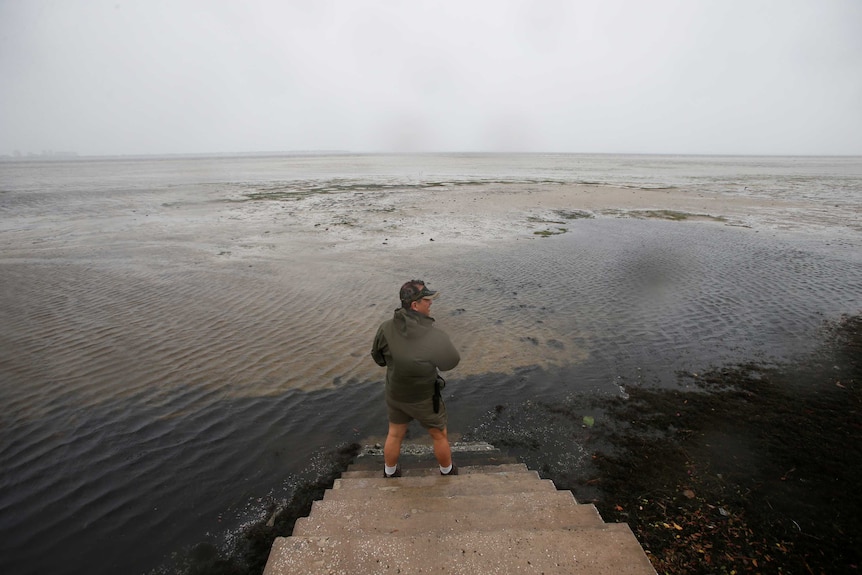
(392, 447)
(442, 450)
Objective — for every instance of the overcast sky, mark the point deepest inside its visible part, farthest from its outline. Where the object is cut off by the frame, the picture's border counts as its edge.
(659, 76)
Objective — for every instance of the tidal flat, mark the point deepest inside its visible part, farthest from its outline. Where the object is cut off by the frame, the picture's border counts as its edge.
(184, 350)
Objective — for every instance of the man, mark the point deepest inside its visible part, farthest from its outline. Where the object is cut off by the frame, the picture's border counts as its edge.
(412, 350)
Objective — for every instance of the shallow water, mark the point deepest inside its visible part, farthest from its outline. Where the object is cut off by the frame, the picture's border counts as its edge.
(156, 391)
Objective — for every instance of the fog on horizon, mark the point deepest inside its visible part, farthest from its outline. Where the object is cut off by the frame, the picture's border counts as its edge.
(125, 77)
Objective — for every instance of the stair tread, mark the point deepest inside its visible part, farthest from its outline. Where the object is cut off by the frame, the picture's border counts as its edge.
(606, 549)
(439, 486)
(439, 481)
(521, 502)
(335, 521)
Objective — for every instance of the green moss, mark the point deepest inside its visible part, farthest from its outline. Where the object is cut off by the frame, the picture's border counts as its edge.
(537, 220)
(674, 215)
(294, 190)
(574, 214)
(277, 195)
(546, 233)
(664, 215)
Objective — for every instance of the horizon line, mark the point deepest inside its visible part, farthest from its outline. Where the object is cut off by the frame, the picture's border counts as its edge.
(59, 156)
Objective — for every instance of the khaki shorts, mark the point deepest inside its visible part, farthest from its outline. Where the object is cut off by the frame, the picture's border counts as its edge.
(422, 411)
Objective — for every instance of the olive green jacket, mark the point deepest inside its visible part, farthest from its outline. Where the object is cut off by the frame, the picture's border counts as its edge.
(412, 350)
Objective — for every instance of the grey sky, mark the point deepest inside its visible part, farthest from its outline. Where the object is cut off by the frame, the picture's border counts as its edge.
(686, 76)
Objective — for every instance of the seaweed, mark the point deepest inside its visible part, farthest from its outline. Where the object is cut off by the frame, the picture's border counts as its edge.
(754, 470)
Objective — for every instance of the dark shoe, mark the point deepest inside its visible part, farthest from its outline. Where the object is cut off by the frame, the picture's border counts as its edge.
(453, 471)
(396, 474)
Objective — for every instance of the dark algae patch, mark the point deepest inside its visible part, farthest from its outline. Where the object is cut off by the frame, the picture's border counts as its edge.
(741, 469)
(754, 471)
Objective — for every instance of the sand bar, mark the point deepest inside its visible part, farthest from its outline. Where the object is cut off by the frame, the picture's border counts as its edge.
(479, 214)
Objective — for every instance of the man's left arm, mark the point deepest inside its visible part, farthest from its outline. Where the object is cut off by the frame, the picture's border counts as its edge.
(378, 348)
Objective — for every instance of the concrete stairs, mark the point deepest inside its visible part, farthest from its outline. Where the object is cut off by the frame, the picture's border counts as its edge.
(496, 516)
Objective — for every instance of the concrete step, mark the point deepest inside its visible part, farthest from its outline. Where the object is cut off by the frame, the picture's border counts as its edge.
(333, 521)
(437, 486)
(519, 504)
(393, 491)
(434, 469)
(606, 550)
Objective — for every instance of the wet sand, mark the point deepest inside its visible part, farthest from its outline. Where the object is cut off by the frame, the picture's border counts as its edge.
(137, 277)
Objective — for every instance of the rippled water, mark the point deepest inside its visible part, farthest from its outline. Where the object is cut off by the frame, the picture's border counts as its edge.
(157, 391)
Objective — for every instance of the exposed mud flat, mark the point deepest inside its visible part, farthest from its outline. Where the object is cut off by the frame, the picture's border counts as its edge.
(178, 344)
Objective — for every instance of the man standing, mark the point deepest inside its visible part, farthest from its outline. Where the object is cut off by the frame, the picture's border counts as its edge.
(412, 350)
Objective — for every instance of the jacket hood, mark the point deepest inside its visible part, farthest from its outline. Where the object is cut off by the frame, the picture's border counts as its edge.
(411, 324)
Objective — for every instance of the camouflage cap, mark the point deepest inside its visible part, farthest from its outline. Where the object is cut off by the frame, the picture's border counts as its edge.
(414, 290)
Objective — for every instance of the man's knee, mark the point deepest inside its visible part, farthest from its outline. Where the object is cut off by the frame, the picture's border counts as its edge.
(397, 430)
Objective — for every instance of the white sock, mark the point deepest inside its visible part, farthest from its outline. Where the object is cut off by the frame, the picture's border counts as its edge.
(445, 470)
(390, 470)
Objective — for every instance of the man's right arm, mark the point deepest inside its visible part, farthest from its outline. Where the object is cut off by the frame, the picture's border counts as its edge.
(447, 356)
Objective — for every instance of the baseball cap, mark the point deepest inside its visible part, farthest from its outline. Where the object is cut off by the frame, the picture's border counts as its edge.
(415, 290)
